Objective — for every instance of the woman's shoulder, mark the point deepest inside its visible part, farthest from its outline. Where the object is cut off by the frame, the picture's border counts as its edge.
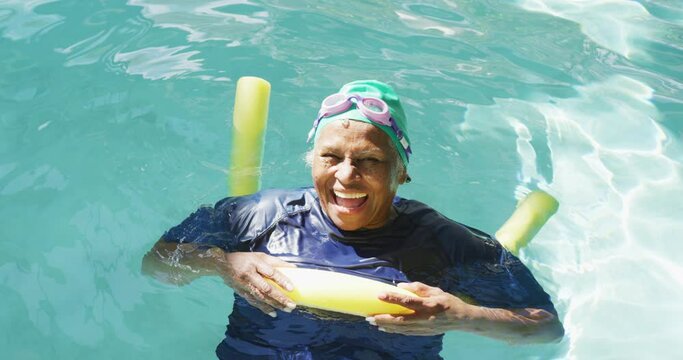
(271, 200)
(460, 240)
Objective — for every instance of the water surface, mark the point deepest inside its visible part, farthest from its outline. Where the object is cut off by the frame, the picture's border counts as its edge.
(114, 126)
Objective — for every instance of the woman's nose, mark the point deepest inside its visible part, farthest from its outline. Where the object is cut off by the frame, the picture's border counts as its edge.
(346, 171)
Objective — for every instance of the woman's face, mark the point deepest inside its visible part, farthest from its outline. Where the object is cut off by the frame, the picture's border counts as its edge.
(356, 174)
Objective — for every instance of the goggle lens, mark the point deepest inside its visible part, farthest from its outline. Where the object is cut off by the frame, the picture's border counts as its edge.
(376, 110)
(335, 103)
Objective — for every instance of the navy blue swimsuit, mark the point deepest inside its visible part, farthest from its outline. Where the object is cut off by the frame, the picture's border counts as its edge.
(418, 245)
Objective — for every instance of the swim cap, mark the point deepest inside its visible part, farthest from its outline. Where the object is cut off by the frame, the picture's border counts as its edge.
(374, 88)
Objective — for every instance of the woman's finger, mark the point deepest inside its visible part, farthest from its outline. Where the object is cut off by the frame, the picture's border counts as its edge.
(273, 274)
(386, 319)
(270, 294)
(256, 298)
(259, 296)
(406, 325)
(286, 304)
(411, 320)
(397, 321)
(411, 302)
(419, 288)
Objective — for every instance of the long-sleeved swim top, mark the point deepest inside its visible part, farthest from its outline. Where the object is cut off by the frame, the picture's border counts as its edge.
(419, 244)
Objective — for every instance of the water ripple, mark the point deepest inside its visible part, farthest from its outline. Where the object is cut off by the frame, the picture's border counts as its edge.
(163, 62)
(615, 25)
(18, 21)
(225, 20)
(110, 132)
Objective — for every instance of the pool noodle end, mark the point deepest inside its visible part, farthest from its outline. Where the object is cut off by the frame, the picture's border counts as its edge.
(249, 120)
(527, 219)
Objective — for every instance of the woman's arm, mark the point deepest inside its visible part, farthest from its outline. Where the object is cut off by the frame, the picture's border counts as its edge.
(437, 312)
(179, 264)
(244, 272)
(517, 325)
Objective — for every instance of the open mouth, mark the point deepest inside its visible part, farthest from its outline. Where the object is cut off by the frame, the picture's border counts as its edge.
(349, 200)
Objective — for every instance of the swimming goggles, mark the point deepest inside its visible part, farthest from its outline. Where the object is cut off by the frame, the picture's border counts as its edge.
(374, 109)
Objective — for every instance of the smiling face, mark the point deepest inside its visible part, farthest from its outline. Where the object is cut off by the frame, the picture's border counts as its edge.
(356, 172)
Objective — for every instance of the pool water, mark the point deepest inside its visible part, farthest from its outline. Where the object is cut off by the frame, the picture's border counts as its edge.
(114, 126)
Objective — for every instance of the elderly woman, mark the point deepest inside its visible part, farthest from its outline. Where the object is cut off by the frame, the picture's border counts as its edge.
(352, 221)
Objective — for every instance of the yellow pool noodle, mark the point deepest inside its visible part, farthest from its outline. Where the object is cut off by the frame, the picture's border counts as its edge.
(529, 216)
(248, 127)
(342, 293)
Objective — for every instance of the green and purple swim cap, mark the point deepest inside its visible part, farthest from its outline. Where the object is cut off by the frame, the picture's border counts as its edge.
(369, 101)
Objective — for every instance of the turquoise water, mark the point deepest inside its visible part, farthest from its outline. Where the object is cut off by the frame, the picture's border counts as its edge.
(114, 125)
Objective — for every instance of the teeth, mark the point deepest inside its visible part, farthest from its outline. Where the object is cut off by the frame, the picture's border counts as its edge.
(350, 195)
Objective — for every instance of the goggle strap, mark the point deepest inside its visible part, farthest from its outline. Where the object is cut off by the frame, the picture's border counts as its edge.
(310, 135)
(405, 145)
(315, 126)
(401, 138)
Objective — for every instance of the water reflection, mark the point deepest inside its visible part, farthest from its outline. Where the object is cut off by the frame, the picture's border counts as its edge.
(615, 25)
(163, 62)
(19, 21)
(110, 135)
(607, 143)
(227, 20)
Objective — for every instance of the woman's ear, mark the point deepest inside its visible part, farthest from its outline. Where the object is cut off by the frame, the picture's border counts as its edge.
(403, 176)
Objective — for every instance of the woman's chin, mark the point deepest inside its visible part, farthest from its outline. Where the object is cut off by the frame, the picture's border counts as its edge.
(347, 223)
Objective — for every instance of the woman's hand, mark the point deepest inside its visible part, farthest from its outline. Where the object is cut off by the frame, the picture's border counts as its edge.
(246, 273)
(436, 311)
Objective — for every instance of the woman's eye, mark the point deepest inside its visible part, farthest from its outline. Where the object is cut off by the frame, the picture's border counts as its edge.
(329, 156)
(370, 159)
